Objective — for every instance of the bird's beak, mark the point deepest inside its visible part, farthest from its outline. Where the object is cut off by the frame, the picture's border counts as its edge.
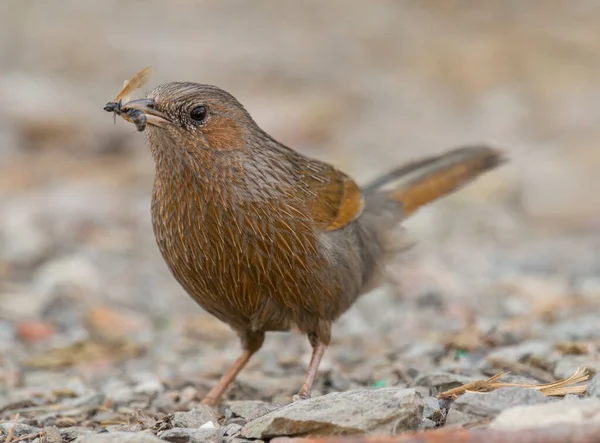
(147, 106)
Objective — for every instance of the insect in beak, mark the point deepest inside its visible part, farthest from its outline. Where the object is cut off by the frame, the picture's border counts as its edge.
(147, 107)
(116, 106)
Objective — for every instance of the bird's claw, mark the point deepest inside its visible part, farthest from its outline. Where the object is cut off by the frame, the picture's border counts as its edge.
(302, 395)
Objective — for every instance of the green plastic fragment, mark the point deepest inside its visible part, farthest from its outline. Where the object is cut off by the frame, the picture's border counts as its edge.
(380, 384)
(461, 353)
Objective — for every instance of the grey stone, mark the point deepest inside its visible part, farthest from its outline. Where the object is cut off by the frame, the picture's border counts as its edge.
(474, 406)
(593, 388)
(93, 399)
(519, 379)
(249, 410)
(195, 418)
(428, 424)
(442, 381)
(22, 238)
(260, 383)
(422, 349)
(338, 383)
(166, 402)
(589, 286)
(551, 414)
(118, 392)
(69, 271)
(585, 327)
(431, 406)
(70, 434)
(119, 437)
(20, 429)
(422, 390)
(7, 333)
(566, 366)
(434, 411)
(148, 387)
(186, 435)
(379, 411)
(231, 429)
(53, 435)
(518, 352)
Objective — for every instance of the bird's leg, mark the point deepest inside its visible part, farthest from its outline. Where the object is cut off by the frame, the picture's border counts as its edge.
(251, 343)
(319, 344)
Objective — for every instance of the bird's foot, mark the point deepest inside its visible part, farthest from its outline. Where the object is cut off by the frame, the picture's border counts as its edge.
(303, 394)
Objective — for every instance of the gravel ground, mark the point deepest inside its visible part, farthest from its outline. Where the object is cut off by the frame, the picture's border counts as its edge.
(97, 339)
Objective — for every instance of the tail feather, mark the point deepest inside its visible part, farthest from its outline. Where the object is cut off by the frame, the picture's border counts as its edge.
(419, 183)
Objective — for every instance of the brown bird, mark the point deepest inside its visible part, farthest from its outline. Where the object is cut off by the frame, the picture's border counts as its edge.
(263, 237)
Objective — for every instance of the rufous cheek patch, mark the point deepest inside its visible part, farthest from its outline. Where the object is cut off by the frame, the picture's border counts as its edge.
(223, 134)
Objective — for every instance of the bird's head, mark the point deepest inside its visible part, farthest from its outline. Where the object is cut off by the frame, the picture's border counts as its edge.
(194, 115)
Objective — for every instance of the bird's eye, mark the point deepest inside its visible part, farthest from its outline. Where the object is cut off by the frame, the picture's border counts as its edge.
(199, 113)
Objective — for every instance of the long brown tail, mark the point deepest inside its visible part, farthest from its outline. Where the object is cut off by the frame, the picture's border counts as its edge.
(419, 183)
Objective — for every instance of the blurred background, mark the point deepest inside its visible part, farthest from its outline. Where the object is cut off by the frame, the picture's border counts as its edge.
(84, 293)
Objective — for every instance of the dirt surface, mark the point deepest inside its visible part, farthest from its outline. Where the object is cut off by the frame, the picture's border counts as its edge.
(96, 335)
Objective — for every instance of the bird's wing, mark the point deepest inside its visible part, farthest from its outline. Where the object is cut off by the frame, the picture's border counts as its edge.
(289, 269)
(334, 199)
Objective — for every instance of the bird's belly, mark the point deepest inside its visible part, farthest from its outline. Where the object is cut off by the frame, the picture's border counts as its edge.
(261, 276)
(232, 278)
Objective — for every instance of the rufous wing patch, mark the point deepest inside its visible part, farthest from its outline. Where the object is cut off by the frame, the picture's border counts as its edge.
(351, 205)
(335, 198)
